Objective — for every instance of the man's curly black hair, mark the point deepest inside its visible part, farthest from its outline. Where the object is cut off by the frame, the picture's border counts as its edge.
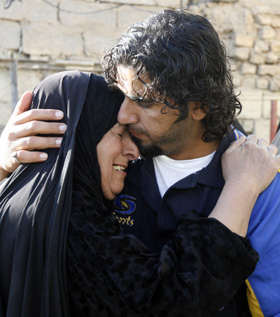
(184, 59)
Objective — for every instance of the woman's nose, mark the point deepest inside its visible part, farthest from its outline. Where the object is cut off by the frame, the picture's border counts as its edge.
(127, 114)
(130, 150)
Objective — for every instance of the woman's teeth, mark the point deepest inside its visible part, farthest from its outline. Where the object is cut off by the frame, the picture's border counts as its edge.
(119, 168)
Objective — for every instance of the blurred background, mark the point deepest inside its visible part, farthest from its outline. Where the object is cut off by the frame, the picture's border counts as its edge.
(41, 37)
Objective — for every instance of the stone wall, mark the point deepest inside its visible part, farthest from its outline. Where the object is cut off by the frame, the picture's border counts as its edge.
(40, 37)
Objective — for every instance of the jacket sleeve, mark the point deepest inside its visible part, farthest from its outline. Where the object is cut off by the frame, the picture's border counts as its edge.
(263, 233)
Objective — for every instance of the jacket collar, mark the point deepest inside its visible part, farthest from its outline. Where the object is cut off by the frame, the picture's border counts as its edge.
(211, 175)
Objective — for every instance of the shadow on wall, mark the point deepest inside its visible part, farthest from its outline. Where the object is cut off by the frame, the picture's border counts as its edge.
(2, 126)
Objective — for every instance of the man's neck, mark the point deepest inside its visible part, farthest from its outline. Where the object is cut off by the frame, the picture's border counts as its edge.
(196, 150)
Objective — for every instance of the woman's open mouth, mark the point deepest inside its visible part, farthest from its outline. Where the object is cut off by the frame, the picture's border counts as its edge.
(119, 168)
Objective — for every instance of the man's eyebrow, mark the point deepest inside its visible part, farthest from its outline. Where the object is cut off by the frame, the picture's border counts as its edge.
(137, 99)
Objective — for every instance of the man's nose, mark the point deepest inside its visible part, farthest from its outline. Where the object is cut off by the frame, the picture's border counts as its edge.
(127, 113)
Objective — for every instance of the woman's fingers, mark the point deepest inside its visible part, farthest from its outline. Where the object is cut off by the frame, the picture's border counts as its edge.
(34, 128)
(29, 156)
(24, 133)
(251, 162)
(37, 143)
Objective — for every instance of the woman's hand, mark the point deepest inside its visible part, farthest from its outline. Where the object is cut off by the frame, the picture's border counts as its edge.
(21, 135)
(250, 162)
(249, 166)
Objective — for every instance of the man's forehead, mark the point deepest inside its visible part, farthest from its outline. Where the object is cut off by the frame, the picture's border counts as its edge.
(131, 83)
(137, 87)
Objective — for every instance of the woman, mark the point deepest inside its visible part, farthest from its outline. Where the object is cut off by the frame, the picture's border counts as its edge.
(43, 230)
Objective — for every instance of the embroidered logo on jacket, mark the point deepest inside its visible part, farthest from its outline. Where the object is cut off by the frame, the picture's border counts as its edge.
(124, 206)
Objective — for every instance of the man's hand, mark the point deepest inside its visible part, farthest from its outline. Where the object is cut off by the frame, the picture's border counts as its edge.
(20, 135)
(251, 162)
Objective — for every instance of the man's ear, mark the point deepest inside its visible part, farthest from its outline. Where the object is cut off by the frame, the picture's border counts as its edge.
(197, 112)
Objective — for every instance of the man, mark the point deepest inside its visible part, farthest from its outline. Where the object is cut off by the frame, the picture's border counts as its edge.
(179, 106)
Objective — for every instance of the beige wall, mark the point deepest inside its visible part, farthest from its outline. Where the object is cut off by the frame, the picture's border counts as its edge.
(40, 37)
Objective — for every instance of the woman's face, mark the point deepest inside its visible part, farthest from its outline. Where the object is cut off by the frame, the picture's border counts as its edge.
(114, 151)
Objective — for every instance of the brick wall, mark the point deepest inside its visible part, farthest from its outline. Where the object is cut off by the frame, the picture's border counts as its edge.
(40, 37)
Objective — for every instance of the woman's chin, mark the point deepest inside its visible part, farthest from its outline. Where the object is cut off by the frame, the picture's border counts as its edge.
(111, 193)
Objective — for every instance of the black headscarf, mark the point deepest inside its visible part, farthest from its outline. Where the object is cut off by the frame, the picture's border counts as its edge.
(98, 116)
(35, 201)
(109, 273)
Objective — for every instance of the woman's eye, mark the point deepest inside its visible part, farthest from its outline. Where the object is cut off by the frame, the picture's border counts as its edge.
(120, 135)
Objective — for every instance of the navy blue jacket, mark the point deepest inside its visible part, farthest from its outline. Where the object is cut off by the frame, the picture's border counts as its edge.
(152, 219)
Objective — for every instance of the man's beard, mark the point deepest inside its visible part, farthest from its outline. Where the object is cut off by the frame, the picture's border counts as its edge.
(147, 151)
